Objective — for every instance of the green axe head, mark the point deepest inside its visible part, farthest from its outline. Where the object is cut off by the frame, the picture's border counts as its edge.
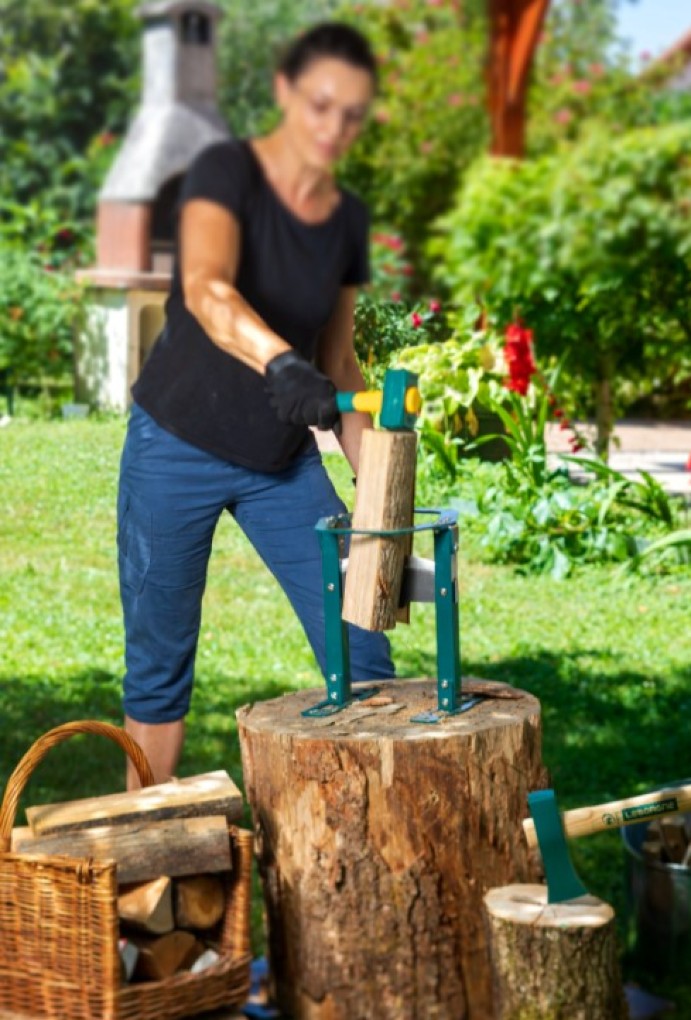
(562, 881)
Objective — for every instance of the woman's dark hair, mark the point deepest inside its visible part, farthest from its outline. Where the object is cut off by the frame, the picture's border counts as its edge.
(332, 39)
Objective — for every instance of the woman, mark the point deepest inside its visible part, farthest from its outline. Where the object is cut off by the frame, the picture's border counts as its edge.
(258, 340)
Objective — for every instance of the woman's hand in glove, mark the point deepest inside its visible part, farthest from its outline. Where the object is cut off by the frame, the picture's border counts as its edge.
(299, 393)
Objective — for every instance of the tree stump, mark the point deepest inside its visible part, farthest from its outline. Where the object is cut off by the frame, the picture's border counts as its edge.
(553, 961)
(376, 840)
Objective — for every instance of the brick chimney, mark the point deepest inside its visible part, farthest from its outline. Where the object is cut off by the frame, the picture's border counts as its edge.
(176, 118)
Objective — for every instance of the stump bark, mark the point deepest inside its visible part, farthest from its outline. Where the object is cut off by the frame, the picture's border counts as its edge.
(376, 840)
(553, 961)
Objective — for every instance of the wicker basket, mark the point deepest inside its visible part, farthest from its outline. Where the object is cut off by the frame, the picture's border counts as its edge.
(59, 924)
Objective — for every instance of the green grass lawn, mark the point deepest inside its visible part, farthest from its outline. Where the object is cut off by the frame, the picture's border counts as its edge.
(608, 657)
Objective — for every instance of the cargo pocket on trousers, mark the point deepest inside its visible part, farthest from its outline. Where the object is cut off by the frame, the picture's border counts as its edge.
(135, 540)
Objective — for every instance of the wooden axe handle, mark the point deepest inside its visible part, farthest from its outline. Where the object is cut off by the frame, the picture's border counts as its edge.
(583, 821)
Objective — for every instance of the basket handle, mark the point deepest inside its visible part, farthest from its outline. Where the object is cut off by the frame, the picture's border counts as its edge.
(37, 752)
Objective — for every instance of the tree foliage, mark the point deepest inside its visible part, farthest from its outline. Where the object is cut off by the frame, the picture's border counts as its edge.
(429, 120)
(68, 72)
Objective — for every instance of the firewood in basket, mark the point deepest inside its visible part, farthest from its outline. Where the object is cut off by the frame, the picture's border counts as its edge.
(175, 846)
(674, 838)
(652, 850)
(213, 793)
(199, 901)
(162, 957)
(148, 905)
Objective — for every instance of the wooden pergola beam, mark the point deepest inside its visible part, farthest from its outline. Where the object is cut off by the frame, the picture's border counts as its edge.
(515, 27)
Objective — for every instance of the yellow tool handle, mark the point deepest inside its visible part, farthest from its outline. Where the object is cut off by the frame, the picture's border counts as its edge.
(586, 820)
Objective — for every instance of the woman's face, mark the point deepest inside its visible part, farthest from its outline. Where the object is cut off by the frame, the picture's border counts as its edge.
(325, 108)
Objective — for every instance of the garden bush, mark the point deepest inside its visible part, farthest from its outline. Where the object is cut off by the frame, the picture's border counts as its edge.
(591, 247)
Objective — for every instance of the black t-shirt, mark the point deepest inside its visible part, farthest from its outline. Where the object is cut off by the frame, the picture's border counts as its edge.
(290, 273)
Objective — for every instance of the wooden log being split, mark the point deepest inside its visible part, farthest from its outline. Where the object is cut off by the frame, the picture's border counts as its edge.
(383, 500)
(376, 838)
(199, 901)
(148, 905)
(141, 850)
(211, 794)
(553, 961)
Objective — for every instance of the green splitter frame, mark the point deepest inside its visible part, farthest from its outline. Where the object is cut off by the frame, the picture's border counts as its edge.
(450, 699)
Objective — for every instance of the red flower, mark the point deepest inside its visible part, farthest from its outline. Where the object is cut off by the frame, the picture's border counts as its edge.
(518, 352)
(688, 463)
(416, 319)
(435, 306)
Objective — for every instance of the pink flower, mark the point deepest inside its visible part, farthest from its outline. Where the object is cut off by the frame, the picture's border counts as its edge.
(416, 319)
(597, 70)
(435, 306)
(563, 116)
(582, 87)
(455, 99)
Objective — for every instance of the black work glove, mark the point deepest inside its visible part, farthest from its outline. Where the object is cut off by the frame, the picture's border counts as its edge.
(299, 393)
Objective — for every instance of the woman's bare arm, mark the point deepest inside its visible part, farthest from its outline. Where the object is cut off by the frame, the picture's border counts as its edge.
(210, 251)
(337, 360)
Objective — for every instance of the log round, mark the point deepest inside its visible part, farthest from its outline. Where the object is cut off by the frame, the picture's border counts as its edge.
(377, 838)
(553, 961)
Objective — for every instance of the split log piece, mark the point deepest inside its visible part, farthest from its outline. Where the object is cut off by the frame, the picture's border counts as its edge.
(148, 905)
(652, 849)
(553, 961)
(162, 957)
(199, 901)
(211, 794)
(383, 500)
(674, 839)
(376, 839)
(141, 850)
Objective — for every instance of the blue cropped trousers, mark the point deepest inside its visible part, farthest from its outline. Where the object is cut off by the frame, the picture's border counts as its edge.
(171, 496)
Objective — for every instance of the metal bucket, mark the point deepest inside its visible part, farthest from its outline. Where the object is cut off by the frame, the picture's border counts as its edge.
(659, 897)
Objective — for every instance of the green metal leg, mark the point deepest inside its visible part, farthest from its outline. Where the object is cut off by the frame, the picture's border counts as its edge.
(339, 693)
(450, 700)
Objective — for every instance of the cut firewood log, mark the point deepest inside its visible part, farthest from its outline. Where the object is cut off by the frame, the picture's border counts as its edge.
(162, 957)
(148, 905)
(555, 960)
(674, 838)
(211, 794)
(652, 849)
(383, 501)
(142, 850)
(199, 901)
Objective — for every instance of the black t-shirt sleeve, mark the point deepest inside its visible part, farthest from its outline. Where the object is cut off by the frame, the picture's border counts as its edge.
(357, 269)
(220, 174)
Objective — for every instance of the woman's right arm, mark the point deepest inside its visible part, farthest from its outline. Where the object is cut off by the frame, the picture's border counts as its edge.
(209, 256)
